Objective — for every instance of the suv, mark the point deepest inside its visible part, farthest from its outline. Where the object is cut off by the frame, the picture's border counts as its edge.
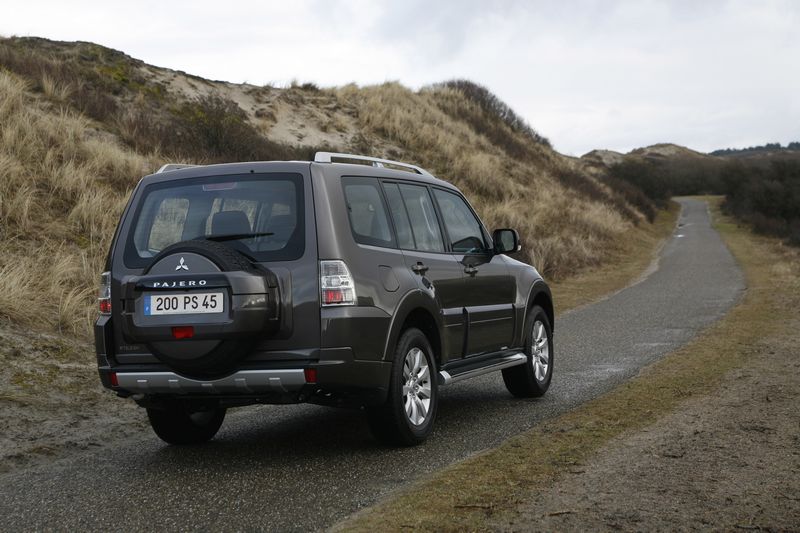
(346, 281)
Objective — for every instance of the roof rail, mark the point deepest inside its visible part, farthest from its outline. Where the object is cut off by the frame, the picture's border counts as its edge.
(328, 157)
(173, 166)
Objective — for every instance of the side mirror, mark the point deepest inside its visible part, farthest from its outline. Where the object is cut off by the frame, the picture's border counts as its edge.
(506, 241)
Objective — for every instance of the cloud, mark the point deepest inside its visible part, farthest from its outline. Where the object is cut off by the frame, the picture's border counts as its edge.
(585, 73)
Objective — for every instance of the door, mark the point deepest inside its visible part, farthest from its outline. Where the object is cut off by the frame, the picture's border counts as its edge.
(438, 273)
(489, 287)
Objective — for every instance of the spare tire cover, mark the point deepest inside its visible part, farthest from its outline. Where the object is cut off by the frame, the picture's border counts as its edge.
(201, 358)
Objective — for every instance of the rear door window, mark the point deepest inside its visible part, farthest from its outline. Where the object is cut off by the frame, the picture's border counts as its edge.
(402, 226)
(422, 215)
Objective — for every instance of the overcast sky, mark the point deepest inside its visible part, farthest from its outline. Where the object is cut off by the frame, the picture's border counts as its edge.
(586, 74)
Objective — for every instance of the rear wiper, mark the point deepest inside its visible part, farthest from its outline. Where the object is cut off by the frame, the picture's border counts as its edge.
(237, 236)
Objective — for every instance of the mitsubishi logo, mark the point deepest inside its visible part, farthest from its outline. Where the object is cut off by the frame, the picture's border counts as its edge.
(182, 265)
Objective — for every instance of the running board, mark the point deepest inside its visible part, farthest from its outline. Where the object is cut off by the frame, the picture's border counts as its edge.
(446, 378)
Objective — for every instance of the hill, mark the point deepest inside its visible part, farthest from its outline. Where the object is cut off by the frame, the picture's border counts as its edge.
(82, 123)
(761, 184)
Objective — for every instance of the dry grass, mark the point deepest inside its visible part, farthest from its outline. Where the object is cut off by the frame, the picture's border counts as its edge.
(563, 230)
(79, 124)
(61, 193)
(471, 495)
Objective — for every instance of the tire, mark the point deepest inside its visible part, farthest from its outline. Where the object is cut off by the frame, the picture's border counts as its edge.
(406, 418)
(178, 425)
(532, 379)
(225, 257)
(226, 353)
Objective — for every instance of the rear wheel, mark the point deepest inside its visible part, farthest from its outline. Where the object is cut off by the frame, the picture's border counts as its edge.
(406, 418)
(178, 424)
(532, 379)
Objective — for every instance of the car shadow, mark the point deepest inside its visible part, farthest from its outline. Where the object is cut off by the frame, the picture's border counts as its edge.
(292, 435)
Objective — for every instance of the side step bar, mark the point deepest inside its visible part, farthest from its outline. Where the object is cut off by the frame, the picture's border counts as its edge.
(446, 378)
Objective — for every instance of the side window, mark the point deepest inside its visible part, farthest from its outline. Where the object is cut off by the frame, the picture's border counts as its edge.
(405, 238)
(168, 223)
(462, 227)
(368, 218)
(424, 225)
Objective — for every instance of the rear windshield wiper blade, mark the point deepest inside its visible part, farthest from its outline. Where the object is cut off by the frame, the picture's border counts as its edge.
(237, 236)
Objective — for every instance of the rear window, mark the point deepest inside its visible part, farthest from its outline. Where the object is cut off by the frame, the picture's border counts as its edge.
(261, 215)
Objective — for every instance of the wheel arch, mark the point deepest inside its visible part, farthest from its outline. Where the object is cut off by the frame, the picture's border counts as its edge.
(416, 310)
(540, 295)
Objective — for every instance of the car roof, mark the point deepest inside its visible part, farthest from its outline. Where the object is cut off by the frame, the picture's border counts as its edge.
(179, 172)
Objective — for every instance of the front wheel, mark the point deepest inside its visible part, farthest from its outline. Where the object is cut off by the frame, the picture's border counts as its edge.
(406, 418)
(178, 424)
(532, 379)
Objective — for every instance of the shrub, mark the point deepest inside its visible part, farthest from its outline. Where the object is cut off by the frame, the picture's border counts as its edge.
(586, 186)
(766, 194)
(489, 117)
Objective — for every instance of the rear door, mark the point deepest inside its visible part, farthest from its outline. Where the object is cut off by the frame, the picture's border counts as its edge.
(489, 288)
(274, 203)
(420, 237)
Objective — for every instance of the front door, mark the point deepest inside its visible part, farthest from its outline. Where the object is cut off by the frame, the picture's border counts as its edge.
(489, 287)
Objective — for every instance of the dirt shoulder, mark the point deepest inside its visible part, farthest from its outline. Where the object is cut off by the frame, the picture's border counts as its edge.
(706, 429)
(725, 461)
(51, 400)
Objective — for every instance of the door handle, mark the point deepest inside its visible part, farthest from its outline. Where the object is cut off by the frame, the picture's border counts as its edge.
(419, 268)
(471, 270)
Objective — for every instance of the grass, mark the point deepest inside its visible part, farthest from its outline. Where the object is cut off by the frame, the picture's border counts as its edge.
(61, 192)
(564, 230)
(80, 124)
(470, 495)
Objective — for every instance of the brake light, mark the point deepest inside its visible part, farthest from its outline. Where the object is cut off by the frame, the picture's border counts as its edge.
(104, 294)
(114, 380)
(336, 284)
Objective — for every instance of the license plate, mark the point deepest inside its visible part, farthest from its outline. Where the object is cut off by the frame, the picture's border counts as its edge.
(183, 304)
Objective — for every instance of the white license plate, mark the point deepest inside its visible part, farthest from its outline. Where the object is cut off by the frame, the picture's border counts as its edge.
(183, 304)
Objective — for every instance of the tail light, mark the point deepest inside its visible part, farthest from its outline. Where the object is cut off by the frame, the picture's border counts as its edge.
(310, 375)
(336, 284)
(104, 294)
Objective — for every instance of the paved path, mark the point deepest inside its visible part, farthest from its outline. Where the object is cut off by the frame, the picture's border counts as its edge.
(304, 467)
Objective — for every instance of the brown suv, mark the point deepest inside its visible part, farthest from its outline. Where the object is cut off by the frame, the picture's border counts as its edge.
(334, 282)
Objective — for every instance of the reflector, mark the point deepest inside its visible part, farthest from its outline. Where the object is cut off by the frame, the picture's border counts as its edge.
(311, 375)
(183, 332)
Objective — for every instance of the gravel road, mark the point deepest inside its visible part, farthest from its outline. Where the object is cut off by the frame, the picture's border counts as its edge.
(300, 468)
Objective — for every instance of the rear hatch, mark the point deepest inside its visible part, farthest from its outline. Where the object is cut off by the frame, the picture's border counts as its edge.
(218, 256)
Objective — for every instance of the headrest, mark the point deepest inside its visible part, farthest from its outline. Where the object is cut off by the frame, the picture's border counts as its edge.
(230, 223)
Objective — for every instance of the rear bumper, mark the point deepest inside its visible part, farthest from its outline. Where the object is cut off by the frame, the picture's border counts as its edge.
(340, 380)
(242, 382)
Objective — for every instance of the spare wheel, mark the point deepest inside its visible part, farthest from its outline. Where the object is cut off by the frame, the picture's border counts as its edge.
(200, 306)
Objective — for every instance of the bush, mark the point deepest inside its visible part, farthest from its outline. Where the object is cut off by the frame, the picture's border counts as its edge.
(484, 119)
(765, 194)
(616, 198)
(647, 176)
